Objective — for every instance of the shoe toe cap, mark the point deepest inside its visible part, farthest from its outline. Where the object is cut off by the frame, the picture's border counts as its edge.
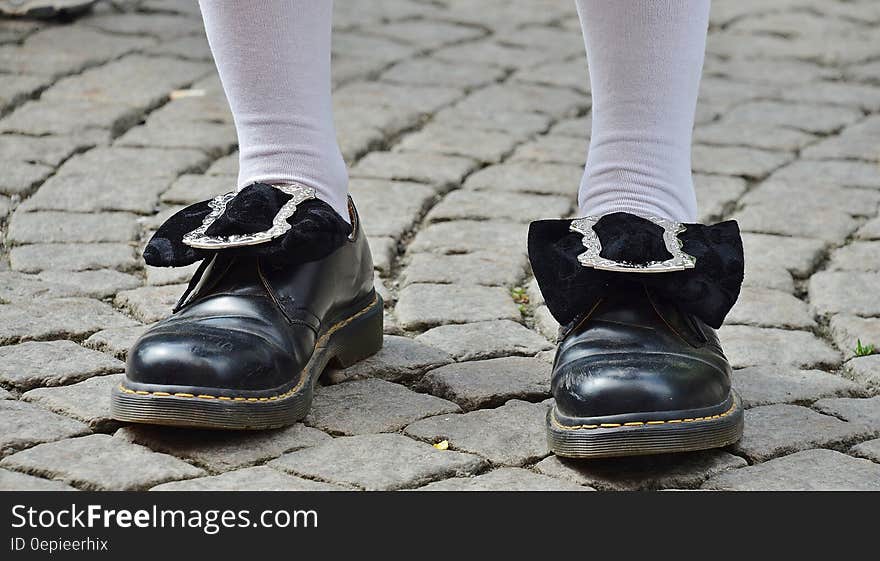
(627, 383)
(202, 356)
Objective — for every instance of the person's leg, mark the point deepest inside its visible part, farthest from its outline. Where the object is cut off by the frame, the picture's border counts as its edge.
(639, 368)
(645, 60)
(274, 61)
(271, 306)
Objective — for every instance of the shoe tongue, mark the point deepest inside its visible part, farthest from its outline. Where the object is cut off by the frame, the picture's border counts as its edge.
(233, 275)
(251, 211)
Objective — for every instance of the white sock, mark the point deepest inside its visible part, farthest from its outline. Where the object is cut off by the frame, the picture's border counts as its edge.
(645, 60)
(273, 57)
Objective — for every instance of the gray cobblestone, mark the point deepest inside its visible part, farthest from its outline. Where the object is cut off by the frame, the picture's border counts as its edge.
(25, 425)
(768, 385)
(371, 406)
(512, 123)
(854, 410)
(716, 193)
(490, 383)
(797, 221)
(101, 462)
(115, 341)
(848, 330)
(504, 479)
(400, 359)
(223, 451)
(378, 462)
(798, 255)
(486, 146)
(834, 172)
(484, 205)
(87, 401)
(444, 172)
(64, 50)
(390, 207)
(483, 268)
(857, 256)
(466, 236)
(753, 346)
(421, 306)
(527, 177)
(869, 450)
(150, 303)
(14, 481)
(737, 160)
(652, 472)
(259, 478)
(434, 72)
(101, 283)
(810, 470)
(512, 434)
(52, 363)
(847, 292)
(484, 340)
(762, 307)
(72, 257)
(63, 317)
(865, 370)
(61, 227)
(775, 430)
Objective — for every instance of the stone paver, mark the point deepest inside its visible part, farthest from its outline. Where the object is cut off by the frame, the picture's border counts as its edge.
(512, 434)
(100, 462)
(845, 292)
(865, 370)
(52, 363)
(776, 430)
(651, 472)
(485, 339)
(460, 122)
(766, 385)
(371, 406)
(863, 411)
(752, 346)
(378, 462)
(259, 478)
(70, 317)
(15, 481)
(220, 451)
(87, 401)
(25, 425)
(489, 383)
(400, 359)
(422, 306)
(810, 470)
(869, 450)
(504, 479)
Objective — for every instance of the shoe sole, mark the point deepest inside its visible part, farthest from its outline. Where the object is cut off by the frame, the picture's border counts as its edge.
(344, 344)
(641, 438)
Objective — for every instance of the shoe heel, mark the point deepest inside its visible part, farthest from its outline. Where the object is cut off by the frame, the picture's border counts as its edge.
(360, 338)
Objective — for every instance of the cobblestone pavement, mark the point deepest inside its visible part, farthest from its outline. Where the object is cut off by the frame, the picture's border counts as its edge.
(462, 121)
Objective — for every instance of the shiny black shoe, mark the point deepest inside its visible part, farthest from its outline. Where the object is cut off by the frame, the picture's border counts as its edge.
(639, 369)
(272, 304)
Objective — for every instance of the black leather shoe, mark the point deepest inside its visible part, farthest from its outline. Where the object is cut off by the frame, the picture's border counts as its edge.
(639, 369)
(262, 318)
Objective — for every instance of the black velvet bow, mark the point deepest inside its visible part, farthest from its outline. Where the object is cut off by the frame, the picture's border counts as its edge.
(316, 230)
(708, 291)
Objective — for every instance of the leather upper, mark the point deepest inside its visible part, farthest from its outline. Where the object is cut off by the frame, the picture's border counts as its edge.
(632, 354)
(249, 326)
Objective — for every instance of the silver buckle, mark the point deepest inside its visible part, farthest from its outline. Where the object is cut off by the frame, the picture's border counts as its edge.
(198, 239)
(590, 258)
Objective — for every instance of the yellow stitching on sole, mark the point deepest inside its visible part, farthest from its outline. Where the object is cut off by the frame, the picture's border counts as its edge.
(288, 393)
(559, 425)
